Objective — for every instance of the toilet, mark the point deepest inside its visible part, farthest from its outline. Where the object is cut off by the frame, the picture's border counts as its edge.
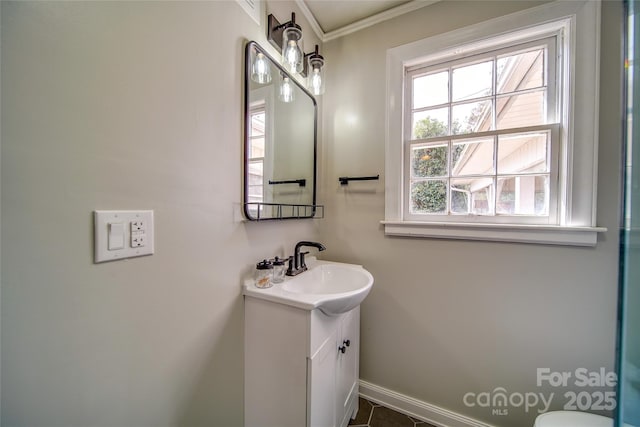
(572, 419)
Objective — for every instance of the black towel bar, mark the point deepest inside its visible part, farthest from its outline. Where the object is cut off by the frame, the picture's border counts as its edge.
(344, 180)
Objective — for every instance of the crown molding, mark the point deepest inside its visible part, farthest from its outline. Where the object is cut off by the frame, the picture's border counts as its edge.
(313, 22)
(363, 23)
(378, 18)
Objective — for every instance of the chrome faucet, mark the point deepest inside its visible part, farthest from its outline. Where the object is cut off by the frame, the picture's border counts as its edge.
(296, 262)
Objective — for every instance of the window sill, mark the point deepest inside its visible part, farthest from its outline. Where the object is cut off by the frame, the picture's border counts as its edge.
(540, 234)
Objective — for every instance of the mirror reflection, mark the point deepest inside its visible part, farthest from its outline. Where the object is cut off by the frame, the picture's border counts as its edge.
(280, 141)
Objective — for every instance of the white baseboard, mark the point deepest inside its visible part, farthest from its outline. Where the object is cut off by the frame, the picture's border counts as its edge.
(416, 408)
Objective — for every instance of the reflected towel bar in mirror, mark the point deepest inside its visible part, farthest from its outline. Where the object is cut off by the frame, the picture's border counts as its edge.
(300, 182)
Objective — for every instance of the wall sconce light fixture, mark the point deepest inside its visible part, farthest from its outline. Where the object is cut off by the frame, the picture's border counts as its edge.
(314, 71)
(286, 38)
(261, 70)
(287, 91)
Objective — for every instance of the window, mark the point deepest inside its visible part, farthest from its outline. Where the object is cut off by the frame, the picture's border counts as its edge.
(495, 138)
(483, 136)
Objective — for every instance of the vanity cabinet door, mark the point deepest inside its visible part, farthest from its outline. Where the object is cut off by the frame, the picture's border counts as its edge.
(347, 367)
(322, 384)
(296, 372)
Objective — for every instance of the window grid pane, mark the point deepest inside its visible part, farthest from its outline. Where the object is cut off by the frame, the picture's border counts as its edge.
(521, 109)
(429, 196)
(474, 156)
(472, 81)
(430, 160)
(528, 64)
(430, 123)
(526, 152)
(472, 117)
(431, 89)
(473, 195)
(523, 195)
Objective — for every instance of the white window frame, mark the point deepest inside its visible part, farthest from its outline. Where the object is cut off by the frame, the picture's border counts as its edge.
(578, 26)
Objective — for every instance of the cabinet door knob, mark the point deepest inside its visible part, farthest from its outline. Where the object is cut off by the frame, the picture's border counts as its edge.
(342, 349)
(346, 342)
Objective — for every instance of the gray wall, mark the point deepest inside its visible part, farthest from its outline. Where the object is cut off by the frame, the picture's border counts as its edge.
(450, 317)
(126, 105)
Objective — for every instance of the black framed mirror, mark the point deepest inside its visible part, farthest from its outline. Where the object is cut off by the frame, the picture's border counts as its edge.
(280, 141)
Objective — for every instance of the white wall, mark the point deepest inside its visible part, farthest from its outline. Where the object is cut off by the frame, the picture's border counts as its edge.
(126, 105)
(450, 317)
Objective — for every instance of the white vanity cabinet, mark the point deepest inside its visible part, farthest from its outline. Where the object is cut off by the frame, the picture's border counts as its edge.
(301, 366)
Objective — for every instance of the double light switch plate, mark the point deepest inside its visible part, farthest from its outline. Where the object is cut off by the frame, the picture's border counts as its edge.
(122, 234)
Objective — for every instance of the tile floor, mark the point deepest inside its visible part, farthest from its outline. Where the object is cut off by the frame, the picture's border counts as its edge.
(371, 414)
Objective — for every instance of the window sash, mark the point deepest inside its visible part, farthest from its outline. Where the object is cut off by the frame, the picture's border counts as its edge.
(553, 150)
(551, 78)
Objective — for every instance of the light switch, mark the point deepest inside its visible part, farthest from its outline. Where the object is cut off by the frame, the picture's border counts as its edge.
(116, 236)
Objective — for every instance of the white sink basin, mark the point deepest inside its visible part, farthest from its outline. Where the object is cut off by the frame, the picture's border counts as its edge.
(333, 288)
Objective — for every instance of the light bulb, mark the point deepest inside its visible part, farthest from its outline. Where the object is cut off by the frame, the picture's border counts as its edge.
(292, 57)
(261, 72)
(291, 53)
(316, 82)
(315, 79)
(286, 90)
